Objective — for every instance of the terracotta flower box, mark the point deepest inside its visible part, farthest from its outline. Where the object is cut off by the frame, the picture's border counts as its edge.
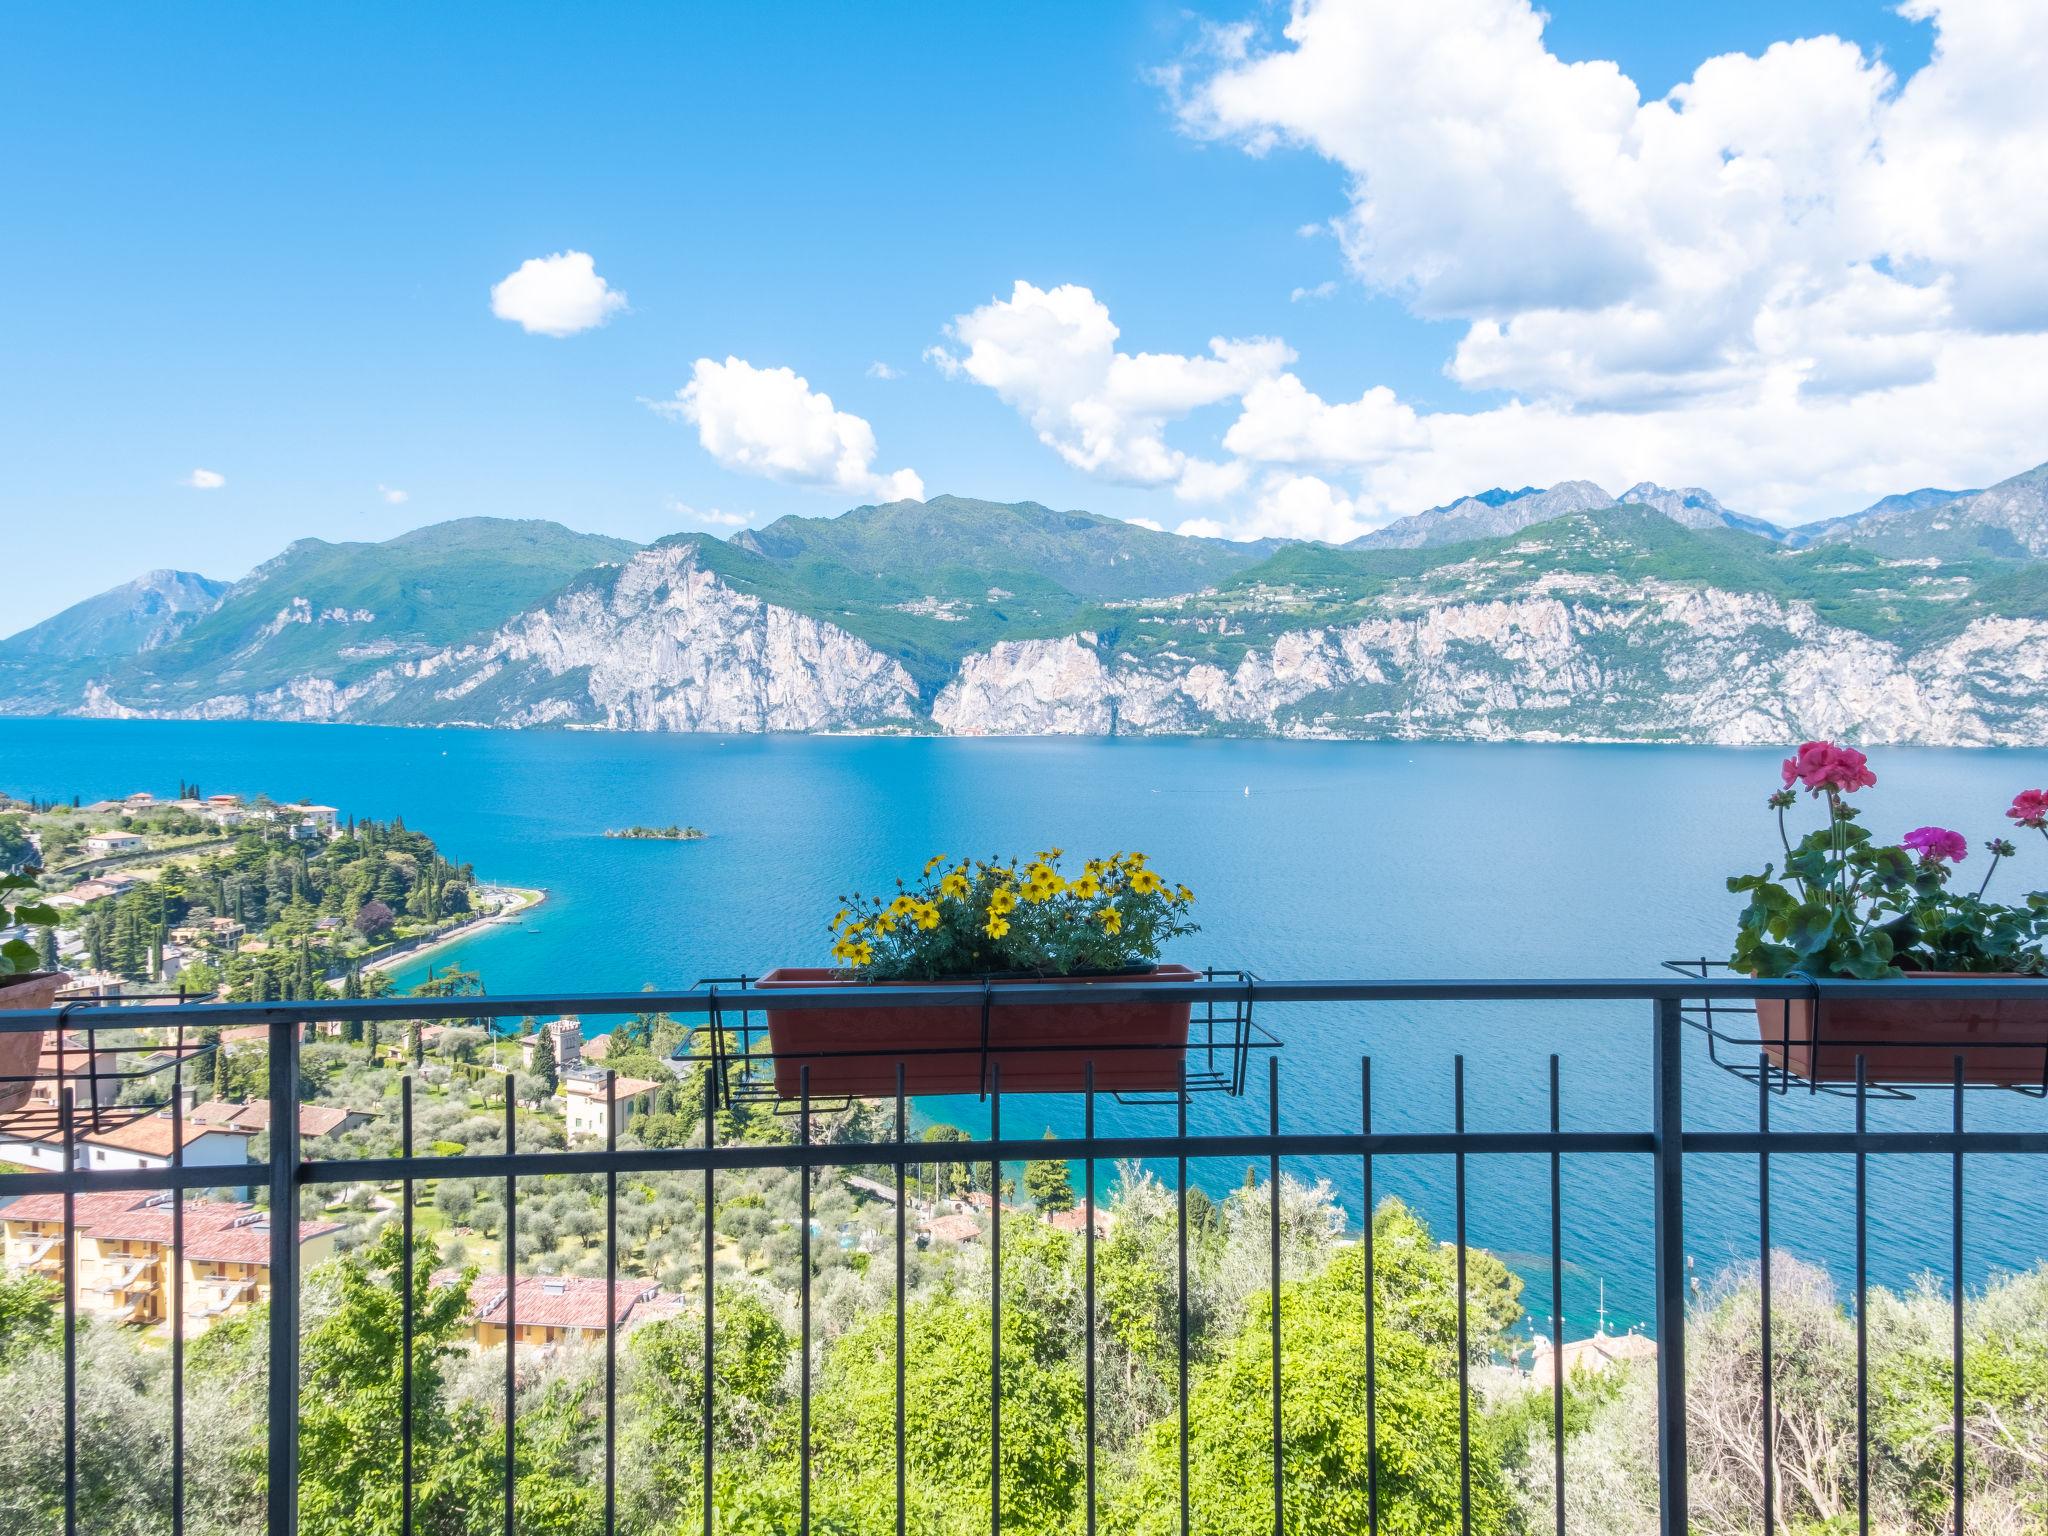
(1136, 1047)
(2003, 1041)
(20, 1049)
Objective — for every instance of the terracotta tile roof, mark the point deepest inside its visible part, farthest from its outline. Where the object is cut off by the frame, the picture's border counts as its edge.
(97, 1206)
(628, 1087)
(150, 1135)
(957, 1228)
(216, 1231)
(568, 1301)
(254, 1115)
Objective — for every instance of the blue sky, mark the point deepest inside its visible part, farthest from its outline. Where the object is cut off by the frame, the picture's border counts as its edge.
(261, 241)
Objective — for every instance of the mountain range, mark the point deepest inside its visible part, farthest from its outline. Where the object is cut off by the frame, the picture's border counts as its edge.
(1555, 613)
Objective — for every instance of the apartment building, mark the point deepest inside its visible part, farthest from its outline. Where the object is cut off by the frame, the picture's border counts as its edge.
(127, 1260)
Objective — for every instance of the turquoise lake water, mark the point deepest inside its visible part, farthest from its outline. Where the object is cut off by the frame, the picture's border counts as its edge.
(1344, 859)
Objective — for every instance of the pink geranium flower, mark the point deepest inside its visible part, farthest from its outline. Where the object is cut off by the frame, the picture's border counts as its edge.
(1937, 844)
(2030, 808)
(1821, 766)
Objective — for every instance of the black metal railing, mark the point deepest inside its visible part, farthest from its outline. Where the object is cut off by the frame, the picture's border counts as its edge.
(1653, 1128)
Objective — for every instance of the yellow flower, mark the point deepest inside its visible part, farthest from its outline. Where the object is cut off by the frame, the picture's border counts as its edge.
(1037, 890)
(1002, 900)
(863, 952)
(954, 885)
(1112, 920)
(1144, 882)
(1087, 888)
(885, 922)
(837, 918)
(996, 926)
(1184, 894)
(903, 906)
(855, 930)
(927, 916)
(1096, 867)
(934, 862)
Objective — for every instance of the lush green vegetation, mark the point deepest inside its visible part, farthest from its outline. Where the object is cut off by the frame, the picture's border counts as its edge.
(320, 907)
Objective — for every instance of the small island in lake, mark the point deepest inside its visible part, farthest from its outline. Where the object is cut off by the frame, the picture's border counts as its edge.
(668, 834)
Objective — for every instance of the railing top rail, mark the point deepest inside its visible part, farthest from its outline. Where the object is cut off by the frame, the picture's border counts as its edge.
(703, 1001)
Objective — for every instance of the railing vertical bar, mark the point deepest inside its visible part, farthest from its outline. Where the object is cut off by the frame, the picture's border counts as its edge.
(511, 1257)
(1088, 1292)
(66, 1114)
(1556, 1302)
(902, 1134)
(283, 1469)
(803, 1432)
(995, 1307)
(611, 1294)
(711, 1077)
(1956, 1298)
(177, 1285)
(405, 1306)
(1464, 1324)
(1862, 1306)
(1372, 1384)
(1273, 1282)
(1181, 1291)
(1668, 1175)
(1767, 1383)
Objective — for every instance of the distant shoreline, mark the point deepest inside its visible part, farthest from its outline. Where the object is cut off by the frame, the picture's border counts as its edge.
(528, 900)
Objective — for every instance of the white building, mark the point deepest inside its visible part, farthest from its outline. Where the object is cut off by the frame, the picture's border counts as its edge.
(564, 1036)
(123, 1140)
(325, 817)
(589, 1111)
(100, 844)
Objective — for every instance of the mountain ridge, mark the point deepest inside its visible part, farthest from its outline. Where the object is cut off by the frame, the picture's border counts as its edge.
(972, 617)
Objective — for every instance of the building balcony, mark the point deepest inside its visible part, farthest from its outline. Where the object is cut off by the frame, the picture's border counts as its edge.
(1308, 1289)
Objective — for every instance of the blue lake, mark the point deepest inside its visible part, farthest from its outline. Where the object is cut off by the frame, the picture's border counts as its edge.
(1309, 860)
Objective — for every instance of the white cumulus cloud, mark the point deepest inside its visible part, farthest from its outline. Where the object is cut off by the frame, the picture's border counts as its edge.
(1795, 278)
(556, 295)
(392, 496)
(710, 517)
(204, 480)
(1051, 354)
(881, 370)
(770, 422)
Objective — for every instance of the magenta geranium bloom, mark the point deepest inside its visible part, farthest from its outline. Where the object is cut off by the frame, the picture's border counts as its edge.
(1937, 844)
(2030, 808)
(1822, 766)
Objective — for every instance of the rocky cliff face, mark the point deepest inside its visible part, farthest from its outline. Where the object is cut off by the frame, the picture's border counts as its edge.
(657, 644)
(1674, 664)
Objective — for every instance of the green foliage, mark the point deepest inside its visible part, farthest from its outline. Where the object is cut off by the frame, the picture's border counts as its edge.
(1050, 1183)
(18, 906)
(947, 1438)
(351, 1407)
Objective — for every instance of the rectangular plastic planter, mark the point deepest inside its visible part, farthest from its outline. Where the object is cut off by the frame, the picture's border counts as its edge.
(1136, 1047)
(2003, 1041)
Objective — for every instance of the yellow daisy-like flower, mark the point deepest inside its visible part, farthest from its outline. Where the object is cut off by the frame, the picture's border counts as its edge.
(1111, 919)
(1133, 860)
(934, 862)
(1184, 894)
(1002, 900)
(996, 926)
(1044, 890)
(1087, 887)
(856, 929)
(1145, 882)
(885, 922)
(839, 917)
(863, 952)
(927, 916)
(903, 906)
(954, 885)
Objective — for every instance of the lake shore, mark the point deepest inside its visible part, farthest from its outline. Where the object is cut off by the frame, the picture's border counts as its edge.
(525, 901)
